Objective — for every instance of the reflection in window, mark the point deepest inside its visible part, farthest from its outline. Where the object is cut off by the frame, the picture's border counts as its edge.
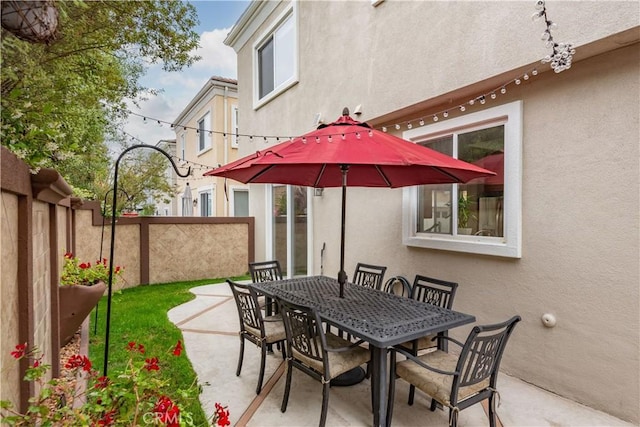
(476, 207)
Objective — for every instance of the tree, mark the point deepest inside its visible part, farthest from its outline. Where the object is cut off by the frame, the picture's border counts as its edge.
(59, 101)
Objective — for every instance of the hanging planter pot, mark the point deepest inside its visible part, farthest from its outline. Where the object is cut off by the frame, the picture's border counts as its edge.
(76, 302)
(34, 21)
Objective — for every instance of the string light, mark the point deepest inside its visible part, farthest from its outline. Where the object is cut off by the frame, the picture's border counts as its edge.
(562, 53)
(480, 99)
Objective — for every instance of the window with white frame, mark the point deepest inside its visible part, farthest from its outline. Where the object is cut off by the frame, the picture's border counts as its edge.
(239, 202)
(204, 133)
(276, 58)
(205, 201)
(484, 215)
(234, 126)
(182, 146)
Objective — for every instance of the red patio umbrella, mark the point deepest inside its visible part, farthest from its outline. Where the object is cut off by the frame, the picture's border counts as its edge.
(348, 153)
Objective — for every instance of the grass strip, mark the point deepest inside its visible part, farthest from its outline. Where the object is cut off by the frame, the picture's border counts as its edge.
(140, 315)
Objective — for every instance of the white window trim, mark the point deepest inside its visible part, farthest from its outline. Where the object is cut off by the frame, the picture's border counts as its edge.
(212, 194)
(511, 244)
(234, 126)
(290, 11)
(183, 147)
(207, 136)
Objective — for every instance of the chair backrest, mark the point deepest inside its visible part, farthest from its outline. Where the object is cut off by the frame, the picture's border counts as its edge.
(248, 309)
(481, 354)
(304, 331)
(398, 285)
(434, 291)
(369, 275)
(265, 271)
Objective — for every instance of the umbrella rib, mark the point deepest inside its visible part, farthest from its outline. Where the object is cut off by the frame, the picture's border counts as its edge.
(453, 177)
(256, 176)
(382, 174)
(315, 184)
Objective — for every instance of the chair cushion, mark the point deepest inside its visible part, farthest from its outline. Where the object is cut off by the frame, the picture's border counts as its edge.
(434, 384)
(339, 362)
(423, 343)
(273, 328)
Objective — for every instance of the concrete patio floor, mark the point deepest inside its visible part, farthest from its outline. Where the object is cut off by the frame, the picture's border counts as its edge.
(209, 325)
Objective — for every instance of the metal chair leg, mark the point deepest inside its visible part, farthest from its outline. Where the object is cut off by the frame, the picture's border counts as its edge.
(263, 361)
(240, 357)
(325, 404)
(287, 388)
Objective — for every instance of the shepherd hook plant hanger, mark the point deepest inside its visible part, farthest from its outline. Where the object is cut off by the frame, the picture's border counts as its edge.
(113, 234)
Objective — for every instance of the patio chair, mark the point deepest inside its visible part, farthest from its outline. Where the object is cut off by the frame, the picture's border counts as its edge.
(369, 275)
(262, 331)
(456, 382)
(265, 271)
(321, 355)
(437, 292)
(398, 285)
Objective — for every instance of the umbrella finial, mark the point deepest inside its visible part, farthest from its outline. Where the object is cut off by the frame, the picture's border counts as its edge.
(345, 111)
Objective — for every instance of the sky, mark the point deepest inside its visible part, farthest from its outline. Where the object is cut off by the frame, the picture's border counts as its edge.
(217, 18)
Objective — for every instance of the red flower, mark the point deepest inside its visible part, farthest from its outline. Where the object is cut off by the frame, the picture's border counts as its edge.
(152, 364)
(107, 419)
(131, 346)
(102, 382)
(85, 265)
(222, 416)
(19, 351)
(77, 361)
(169, 412)
(68, 255)
(178, 349)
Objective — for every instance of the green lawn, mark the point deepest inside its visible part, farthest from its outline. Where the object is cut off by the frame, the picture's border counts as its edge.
(140, 315)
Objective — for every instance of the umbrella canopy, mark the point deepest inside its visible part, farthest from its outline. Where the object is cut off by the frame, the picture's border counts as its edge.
(349, 153)
(375, 159)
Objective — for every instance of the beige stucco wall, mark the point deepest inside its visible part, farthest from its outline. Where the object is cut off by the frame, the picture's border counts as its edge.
(201, 251)
(9, 373)
(177, 251)
(219, 104)
(580, 180)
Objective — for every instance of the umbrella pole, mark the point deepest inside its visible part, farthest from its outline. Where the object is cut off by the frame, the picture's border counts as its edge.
(342, 275)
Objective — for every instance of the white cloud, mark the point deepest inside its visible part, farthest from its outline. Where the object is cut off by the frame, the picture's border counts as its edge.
(217, 58)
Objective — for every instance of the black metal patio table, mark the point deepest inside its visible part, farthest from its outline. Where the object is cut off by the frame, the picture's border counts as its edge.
(380, 318)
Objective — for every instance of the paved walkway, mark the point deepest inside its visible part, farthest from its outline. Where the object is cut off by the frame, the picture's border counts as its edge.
(209, 326)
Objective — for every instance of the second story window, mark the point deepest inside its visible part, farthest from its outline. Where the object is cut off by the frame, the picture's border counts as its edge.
(276, 58)
(204, 137)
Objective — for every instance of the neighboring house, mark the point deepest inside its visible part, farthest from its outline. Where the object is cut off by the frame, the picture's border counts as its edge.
(206, 136)
(171, 208)
(555, 232)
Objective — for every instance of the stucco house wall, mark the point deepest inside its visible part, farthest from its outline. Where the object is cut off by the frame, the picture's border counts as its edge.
(217, 99)
(580, 201)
